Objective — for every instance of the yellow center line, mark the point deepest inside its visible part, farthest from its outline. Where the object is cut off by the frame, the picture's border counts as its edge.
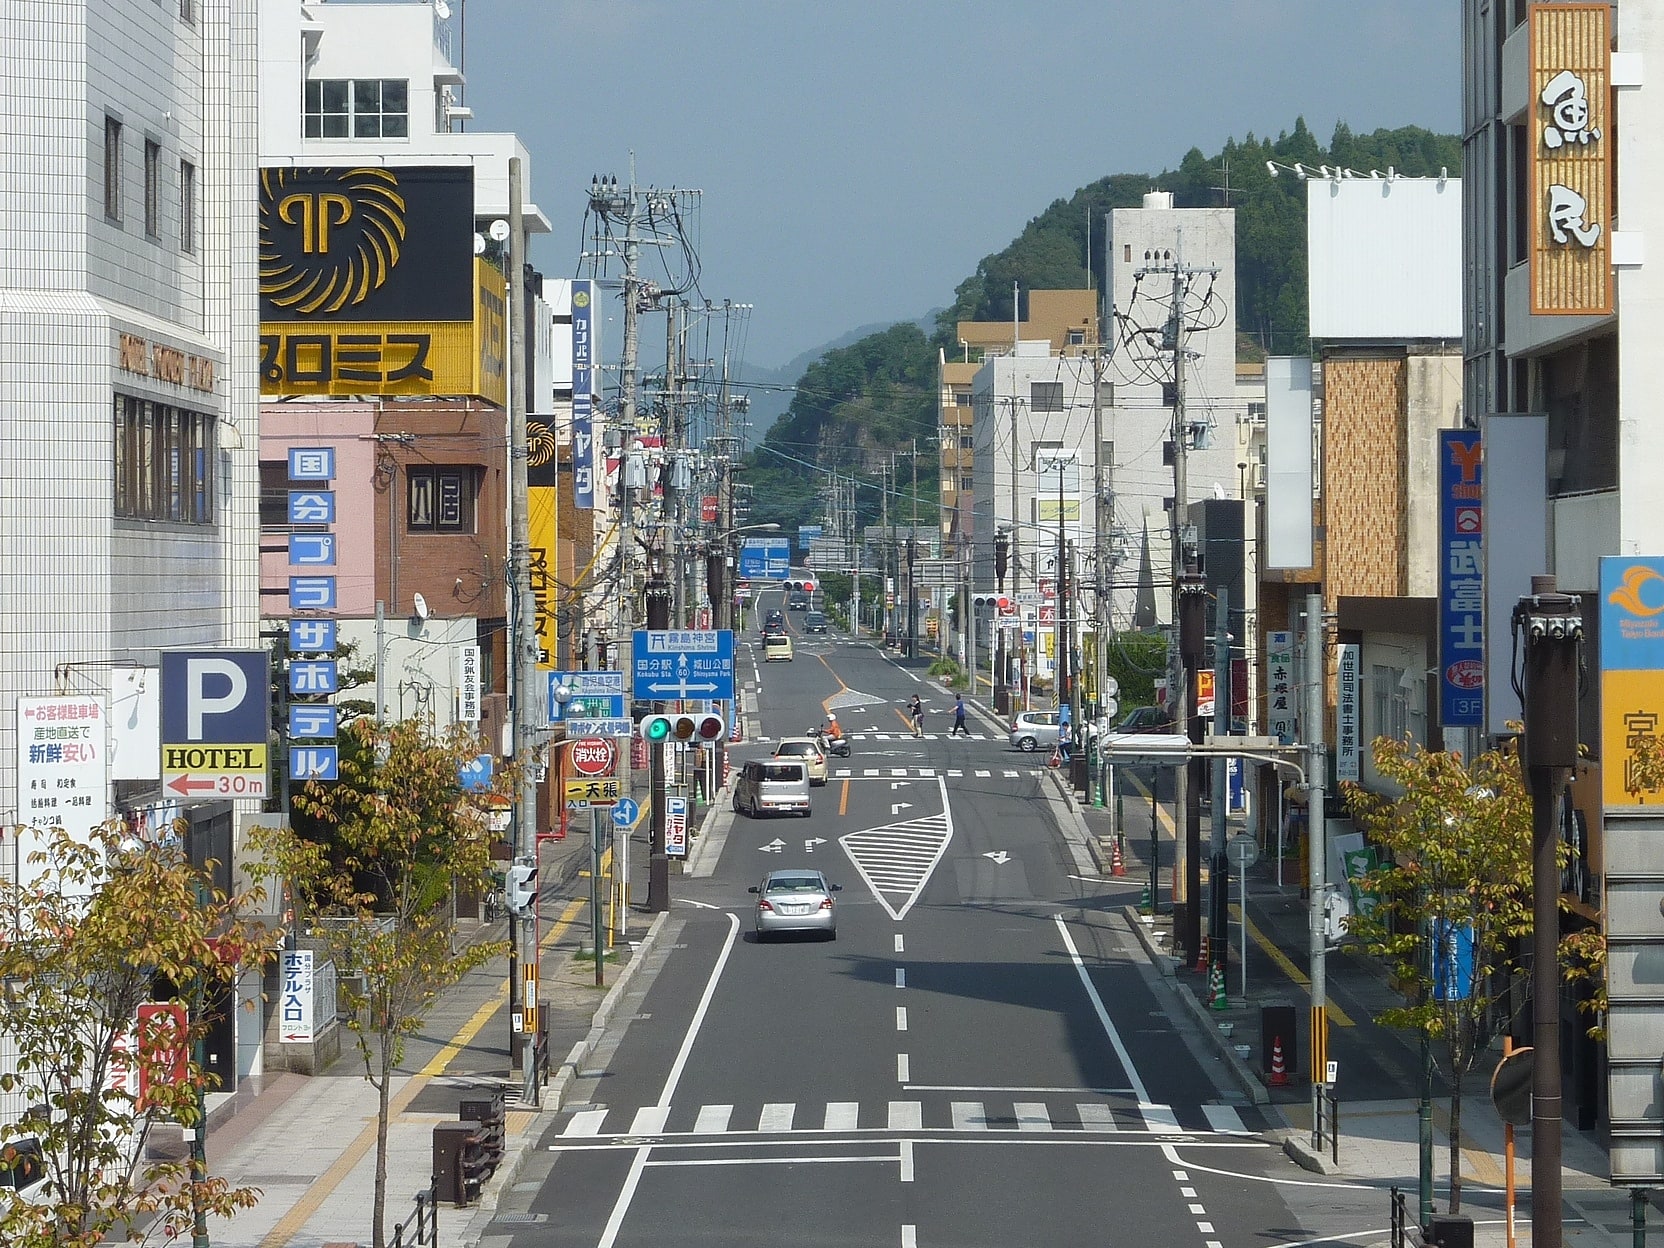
(1165, 819)
(291, 1223)
(843, 799)
(1336, 1015)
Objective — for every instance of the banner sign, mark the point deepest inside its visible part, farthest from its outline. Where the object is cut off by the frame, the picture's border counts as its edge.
(583, 388)
(1461, 580)
(296, 1010)
(1348, 714)
(1631, 673)
(1279, 685)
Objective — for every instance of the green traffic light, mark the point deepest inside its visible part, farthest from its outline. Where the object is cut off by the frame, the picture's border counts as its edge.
(656, 728)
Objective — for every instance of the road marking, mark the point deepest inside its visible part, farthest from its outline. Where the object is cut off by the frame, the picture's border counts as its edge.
(1223, 1118)
(777, 1116)
(649, 1120)
(901, 1016)
(1103, 1014)
(969, 1116)
(956, 775)
(1096, 1117)
(983, 1087)
(713, 1119)
(869, 771)
(927, 772)
(907, 1161)
(898, 771)
(1009, 774)
(842, 773)
(1197, 1209)
(983, 775)
(842, 1115)
(1205, 1228)
(901, 974)
(896, 860)
(586, 1122)
(1337, 1015)
(906, 1116)
(843, 798)
(901, 1068)
(909, 1237)
(1189, 1193)
(1160, 1118)
(1032, 1116)
(900, 944)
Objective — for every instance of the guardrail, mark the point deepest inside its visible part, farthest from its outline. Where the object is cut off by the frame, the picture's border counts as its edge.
(422, 1226)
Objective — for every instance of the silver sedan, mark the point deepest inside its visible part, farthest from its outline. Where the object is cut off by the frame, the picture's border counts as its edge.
(796, 901)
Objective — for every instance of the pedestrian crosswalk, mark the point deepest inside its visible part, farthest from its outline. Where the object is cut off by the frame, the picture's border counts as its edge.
(1099, 1117)
(928, 773)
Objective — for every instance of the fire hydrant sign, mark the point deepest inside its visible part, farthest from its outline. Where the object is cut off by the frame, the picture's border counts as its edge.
(592, 756)
(63, 772)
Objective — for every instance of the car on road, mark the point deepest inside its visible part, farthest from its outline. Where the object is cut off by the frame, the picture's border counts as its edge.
(814, 622)
(1030, 730)
(798, 601)
(807, 749)
(777, 646)
(772, 786)
(798, 900)
(774, 620)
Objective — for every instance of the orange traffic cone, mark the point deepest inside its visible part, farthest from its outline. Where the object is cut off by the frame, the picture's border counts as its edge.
(1117, 864)
(1279, 1071)
(1202, 958)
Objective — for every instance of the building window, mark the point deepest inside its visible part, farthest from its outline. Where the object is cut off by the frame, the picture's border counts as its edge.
(967, 481)
(112, 168)
(187, 206)
(967, 442)
(1075, 338)
(326, 108)
(441, 500)
(961, 398)
(1045, 396)
(364, 108)
(164, 462)
(187, 12)
(152, 188)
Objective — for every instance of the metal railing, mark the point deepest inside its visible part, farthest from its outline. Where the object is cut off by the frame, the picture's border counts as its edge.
(423, 1223)
(1325, 1097)
(1399, 1219)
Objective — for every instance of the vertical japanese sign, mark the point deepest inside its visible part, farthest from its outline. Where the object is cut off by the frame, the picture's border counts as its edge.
(313, 677)
(295, 1017)
(676, 827)
(1279, 684)
(62, 774)
(468, 684)
(1461, 580)
(1631, 673)
(1570, 134)
(1348, 714)
(583, 387)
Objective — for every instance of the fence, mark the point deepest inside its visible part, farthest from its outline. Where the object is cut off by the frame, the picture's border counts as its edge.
(422, 1224)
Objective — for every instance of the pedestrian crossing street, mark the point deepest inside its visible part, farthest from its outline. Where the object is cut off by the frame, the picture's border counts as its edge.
(781, 1117)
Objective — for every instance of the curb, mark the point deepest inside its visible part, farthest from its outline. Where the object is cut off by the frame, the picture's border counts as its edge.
(1305, 1156)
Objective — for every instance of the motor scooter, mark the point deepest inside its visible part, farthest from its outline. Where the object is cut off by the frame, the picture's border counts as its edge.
(836, 746)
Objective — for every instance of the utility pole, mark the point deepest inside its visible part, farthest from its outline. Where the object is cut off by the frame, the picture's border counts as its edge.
(1192, 624)
(913, 556)
(1317, 849)
(1552, 628)
(1102, 516)
(1021, 701)
(1219, 870)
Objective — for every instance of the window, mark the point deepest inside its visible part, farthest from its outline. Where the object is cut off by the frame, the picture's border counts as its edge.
(187, 12)
(961, 398)
(187, 206)
(164, 462)
(967, 481)
(152, 188)
(274, 494)
(112, 168)
(365, 108)
(1045, 396)
(1075, 338)
(967, 442)
(441, 500)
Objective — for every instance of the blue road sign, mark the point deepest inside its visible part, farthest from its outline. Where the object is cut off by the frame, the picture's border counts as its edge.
(766, 559)
(683, 663)
(625, 812)
(592, 695)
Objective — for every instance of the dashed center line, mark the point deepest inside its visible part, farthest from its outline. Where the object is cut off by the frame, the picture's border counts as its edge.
(901, 977)
(901, 1068)
(901, 1018)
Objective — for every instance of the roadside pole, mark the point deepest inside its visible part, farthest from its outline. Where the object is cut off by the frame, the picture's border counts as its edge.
(1219, 871)
(1317, 774)
(595, 921)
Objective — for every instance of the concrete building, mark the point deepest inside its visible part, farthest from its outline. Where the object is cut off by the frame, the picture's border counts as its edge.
(127, 410)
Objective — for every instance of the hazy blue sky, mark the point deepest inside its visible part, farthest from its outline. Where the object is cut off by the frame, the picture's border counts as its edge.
(859, 158)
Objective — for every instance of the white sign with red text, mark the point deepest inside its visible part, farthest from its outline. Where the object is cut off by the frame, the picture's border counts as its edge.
(63, 774)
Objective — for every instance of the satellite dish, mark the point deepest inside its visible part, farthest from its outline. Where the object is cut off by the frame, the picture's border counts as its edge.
(421, 607)
(499, 230)
(479, 244)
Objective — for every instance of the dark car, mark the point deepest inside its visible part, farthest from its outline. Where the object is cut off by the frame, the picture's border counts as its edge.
(798, 601)
(1143, 719)
(774, 622)
(814, 622)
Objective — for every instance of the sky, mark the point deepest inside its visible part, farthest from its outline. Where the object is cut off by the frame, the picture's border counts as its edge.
(857, 159)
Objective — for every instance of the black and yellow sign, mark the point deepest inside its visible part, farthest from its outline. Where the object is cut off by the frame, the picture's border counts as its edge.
(600, 791)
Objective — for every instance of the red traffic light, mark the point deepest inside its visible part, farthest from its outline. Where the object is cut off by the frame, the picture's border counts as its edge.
(1003, 603)
(809, 587)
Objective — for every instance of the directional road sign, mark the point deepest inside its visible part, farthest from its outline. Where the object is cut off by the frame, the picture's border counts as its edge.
(766, 558)
(216, 713)
(590, 695)
(625, 812)
(683, 663)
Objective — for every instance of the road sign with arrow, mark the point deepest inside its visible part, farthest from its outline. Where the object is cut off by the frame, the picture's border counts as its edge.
(683, 663)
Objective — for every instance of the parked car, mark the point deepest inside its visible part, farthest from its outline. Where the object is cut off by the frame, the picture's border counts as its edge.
(772, 786)
(1143, 719)
(796, 901)
(807, 749)
(777, 646)
(814, 622)
(23, 1171)
(1032, 729)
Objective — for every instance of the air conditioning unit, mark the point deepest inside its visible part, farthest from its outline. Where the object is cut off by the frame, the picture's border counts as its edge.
(1256, 476)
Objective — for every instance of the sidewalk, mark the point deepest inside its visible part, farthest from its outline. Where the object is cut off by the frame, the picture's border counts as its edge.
(309, 1143)
(1379, 1081)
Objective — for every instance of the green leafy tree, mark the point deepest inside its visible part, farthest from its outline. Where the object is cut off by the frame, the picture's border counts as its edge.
(104, 926)
(1457, 844)
(372, 863)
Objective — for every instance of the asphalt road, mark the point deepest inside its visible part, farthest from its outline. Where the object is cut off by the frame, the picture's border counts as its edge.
(978, 1059)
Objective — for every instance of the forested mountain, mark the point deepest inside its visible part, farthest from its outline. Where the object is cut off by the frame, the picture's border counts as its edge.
(858, 405)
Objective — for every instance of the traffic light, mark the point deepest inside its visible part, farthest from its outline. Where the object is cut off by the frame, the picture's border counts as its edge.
(1002, 557)
(805, 586)
(686, 729)
(999, 604)
(520, 886)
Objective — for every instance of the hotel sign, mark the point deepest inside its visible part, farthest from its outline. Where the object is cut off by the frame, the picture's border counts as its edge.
(1571, 163)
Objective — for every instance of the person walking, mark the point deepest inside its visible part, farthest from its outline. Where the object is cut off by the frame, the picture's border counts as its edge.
(915, 711)
(959, 716)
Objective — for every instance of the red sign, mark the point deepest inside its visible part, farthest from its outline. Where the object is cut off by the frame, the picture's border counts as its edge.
(1047, 589)
(592, 756)
(1048, 615)
(707, 508)
(164, 1046)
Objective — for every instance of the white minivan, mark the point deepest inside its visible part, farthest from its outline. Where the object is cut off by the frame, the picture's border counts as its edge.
(772, 786)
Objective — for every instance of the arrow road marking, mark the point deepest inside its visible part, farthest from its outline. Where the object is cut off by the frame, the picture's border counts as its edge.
(999, 856)
(773, 847)
(810, 843)
(898, 807)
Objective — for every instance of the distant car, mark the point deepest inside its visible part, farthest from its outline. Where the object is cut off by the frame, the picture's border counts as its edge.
(1032, 729)
(798, 601)
(774, 619)
(1144, 719)
(777, 646)
(814, 622)
(796, 901)
(807, 749)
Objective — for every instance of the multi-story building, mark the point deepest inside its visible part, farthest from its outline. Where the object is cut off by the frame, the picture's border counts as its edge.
(127, 408)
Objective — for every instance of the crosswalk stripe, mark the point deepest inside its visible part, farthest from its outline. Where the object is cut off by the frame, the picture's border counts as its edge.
(1008, 773)
(1096, 1117)
(898, 771)
(1160, 1118)
(713, 1119)
(1223, 1118)
(927, 772)
(649, 1120)
(869, 771)
(983, 775)
(955, 775)
(906, 1115)
(969, 1116)
(842, 1115)
(841, 772)
(777, 1116)
(1032, 1116)
(586, 1122)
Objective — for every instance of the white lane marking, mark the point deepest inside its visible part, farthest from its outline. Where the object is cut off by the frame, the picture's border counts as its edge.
(586, 1122)
(842, 1115)
(1205, 1228)
(956, 775)
(621, 1206)
(983, 775)
(1213, 1243)
(1096, 1117)
(1032, 1116)
(841, 773)
(985, 1087)
(671, 1164)
(869, 771)
(898, 771)
(1171, 1152)
(906, 1116)
(713, 1119)
(1009, 774)
(907, 1161)
(1223, 1118)
(1181, 1176)
(969, 1116)
(901, 1068)
(901, 974)
(899, 945)
(901, 1018)
(927, 772)
(703, 905)
(649, 1120)
(777, 1116)
(1104, 1020)
(909, 1237)
(1160, 1118)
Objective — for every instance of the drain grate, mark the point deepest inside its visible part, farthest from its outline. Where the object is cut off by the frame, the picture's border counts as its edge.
(521, 1219)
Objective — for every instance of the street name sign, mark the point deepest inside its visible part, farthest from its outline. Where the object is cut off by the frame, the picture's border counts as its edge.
(683, 663)
(598, 727)
(590, 695)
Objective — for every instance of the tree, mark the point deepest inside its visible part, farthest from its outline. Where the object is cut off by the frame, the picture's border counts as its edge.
(372, 863)
(105, 926)
(1455, 887)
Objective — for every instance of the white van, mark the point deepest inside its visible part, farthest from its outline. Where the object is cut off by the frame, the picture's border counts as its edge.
(772, 786)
